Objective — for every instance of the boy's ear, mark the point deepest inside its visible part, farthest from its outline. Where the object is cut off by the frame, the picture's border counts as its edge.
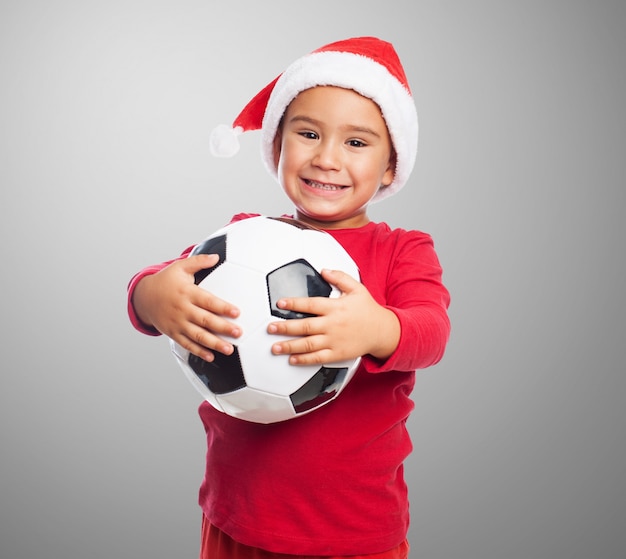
(390, 173)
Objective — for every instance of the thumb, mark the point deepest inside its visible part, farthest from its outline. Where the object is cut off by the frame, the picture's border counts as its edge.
(342, 281)
(200, 265)
(201, 262)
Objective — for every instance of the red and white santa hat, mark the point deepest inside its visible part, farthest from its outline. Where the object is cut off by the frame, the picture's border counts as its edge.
(366, 65)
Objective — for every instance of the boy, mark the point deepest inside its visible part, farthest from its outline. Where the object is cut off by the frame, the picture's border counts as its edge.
(339, 131)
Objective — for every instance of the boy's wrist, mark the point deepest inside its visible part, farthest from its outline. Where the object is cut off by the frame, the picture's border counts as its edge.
(387, 335)
(138, 301)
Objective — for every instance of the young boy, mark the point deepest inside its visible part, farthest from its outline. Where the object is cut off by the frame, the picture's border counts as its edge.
(339, 131)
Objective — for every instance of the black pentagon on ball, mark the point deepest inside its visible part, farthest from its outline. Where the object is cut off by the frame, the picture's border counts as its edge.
(222, 375)
(320, 388)
(295, 279)
(214, 245)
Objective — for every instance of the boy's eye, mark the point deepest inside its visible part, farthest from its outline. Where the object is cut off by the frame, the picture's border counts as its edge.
(308, 134)
(356, 143)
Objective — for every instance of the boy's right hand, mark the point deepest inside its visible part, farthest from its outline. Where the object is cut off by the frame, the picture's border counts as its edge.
(191, 316)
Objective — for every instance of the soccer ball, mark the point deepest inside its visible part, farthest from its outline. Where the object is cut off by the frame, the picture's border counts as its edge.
(262, 259)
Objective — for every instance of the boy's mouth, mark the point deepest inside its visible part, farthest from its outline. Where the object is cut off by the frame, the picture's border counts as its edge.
(323, 185)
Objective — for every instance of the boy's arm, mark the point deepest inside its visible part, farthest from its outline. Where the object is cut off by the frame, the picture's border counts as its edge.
(408, 331)
(134, 317)
(135, 320)
(344, 328)
(165, 299)
(417, 296)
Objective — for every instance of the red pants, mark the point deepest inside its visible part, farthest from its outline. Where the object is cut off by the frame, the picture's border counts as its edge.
(215, 544)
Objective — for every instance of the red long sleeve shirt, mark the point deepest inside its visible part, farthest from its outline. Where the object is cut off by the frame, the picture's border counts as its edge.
(331, 482)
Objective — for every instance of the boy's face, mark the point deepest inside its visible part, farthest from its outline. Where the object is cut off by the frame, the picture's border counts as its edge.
(333, 153)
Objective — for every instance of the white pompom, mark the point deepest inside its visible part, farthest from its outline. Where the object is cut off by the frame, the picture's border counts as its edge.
(223, 141)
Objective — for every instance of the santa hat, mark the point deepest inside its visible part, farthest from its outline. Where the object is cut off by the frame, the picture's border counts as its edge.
(367, 65)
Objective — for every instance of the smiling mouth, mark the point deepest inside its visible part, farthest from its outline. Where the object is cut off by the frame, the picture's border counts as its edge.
(323, 185)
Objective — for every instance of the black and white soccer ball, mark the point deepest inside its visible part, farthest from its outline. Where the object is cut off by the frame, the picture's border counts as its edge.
(262, 259)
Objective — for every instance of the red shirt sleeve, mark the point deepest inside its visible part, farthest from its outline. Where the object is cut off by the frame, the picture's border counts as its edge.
(402, 271)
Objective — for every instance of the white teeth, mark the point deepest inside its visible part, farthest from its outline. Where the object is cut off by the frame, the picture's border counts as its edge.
(323, 186)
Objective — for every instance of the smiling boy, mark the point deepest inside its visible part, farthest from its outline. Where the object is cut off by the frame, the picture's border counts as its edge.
(333, 153)
(339, 131)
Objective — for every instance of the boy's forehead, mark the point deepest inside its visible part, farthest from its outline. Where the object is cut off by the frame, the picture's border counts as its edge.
(331, 88)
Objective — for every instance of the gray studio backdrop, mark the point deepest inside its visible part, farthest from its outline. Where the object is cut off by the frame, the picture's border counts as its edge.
(105, 109)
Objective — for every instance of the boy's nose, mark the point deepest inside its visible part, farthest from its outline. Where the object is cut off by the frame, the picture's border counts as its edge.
(327, 156)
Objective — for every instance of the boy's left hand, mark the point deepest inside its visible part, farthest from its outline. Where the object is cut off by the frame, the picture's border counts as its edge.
(344, 328)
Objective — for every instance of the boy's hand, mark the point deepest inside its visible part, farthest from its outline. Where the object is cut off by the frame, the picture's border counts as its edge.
(194, 318)
(344, 328)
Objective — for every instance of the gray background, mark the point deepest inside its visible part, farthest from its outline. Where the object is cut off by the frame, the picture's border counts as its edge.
(105, 109)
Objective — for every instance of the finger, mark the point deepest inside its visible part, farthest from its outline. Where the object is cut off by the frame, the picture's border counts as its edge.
(342, 281)
(212, 342)
(210, 339)
(218, 327)
(303, 327)
(205, 317)
(304, 305)
(307, 349)
(204, 344)
(210, 302)
(316, 358)
(199, 262)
